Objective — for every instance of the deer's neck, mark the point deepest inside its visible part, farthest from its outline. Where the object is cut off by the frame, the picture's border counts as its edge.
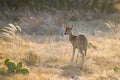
(71, 37)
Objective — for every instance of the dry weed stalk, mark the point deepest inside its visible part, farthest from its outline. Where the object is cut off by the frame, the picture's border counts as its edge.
(10, 32)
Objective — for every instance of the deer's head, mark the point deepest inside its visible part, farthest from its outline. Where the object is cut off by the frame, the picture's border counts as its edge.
(67, 29)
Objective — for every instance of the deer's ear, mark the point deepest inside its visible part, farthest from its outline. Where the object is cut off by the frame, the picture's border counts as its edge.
(64, 26)
(71, 26)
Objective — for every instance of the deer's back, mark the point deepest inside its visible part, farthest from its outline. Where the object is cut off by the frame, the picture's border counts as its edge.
(78, 41)
(81, 40)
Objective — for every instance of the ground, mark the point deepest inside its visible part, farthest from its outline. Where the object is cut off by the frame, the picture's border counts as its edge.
(51, 60)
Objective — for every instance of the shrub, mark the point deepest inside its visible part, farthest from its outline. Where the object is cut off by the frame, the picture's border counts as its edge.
(32, 58)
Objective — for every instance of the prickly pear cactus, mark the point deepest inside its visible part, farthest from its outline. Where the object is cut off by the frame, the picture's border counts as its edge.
(24, 71)
(19, 66)
(11, 65)
(6, 61)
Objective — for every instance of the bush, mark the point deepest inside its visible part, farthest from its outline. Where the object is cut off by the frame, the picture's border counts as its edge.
(32, 58)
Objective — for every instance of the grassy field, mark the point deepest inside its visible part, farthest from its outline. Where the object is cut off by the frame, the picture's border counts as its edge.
(38, 42)
(47, 54)
(51, 60)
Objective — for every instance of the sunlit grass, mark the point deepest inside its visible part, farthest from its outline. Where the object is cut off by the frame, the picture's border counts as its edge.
(51, 61)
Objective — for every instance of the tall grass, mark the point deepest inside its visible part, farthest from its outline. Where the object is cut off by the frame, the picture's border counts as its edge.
(10, 32)
(54, 63)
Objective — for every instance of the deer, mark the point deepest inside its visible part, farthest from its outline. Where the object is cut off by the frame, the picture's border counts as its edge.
(78, 42)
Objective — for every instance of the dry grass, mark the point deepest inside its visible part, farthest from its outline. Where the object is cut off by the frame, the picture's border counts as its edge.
(10, 32)
(51, 61)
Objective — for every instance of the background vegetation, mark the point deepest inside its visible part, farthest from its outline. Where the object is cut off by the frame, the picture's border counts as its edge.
(92, 5)
(36, 13)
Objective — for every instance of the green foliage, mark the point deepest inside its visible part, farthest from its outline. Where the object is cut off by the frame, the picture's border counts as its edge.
(24, 71)
(116, 69)
(20, 69)
(6, 61)
(19, 66)
(12, 67)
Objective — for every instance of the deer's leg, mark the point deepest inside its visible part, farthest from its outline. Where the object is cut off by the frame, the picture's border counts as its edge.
(77, 57)
(83, 57)
(73, 55)
(85, 49)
